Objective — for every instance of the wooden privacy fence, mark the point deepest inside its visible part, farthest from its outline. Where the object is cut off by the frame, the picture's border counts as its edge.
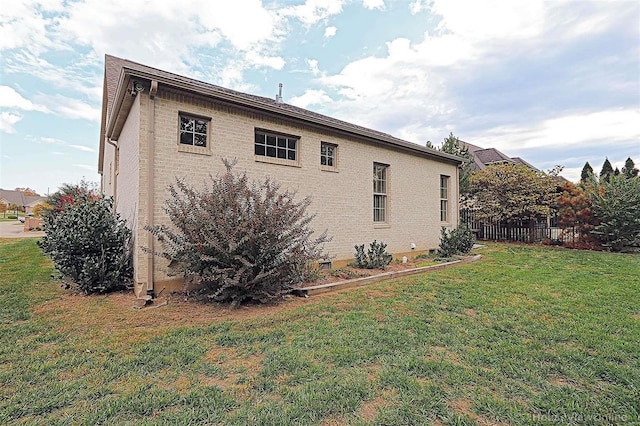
(529, 231)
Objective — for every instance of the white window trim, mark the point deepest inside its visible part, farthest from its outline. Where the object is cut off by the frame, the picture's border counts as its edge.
(447, 187)
(333, 168)
(385, 195)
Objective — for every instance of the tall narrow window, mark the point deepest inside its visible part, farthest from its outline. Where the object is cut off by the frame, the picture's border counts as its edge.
(444, 198)
(193, 131)
(328, 154)
(380, 192)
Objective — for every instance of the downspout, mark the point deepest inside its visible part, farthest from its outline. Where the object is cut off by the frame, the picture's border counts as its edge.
(150, 184)
(115, 175)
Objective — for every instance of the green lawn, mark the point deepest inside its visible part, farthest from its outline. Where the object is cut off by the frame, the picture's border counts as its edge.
(527, 335)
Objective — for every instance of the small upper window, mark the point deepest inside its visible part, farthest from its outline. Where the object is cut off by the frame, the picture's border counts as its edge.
(328, 154)
(193, 131)
(275, 146)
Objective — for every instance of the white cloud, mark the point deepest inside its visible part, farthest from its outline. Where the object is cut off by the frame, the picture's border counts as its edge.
(330, 32)
(373, 4)
(575, 130)
(313, 66)
(255, 59)
(311, 97)
(52, 141)
(23, 25)
(491, 18)
(418, 6)
(313, 11)
(86, 167)
(9, 98)
(82, 148)
(8, 120)
(71, 107)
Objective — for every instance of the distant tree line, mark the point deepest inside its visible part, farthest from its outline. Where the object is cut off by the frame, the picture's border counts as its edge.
(603, 210)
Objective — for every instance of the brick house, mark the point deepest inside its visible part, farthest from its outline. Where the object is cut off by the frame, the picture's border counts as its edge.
(364, 184)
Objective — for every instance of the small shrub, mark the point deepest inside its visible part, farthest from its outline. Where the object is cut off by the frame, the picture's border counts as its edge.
(375, 258)
(89, 245)
(457, 241)
(239, 240)
(12, 216)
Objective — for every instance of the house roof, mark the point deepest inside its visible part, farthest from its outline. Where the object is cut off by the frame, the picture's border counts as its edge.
(118, 73)
(486, 156)
(18, 198)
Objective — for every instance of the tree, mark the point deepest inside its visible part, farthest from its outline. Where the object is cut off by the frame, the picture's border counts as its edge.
(607, 171)
(615, 204)
(453, 145)
(68, 194)
(512, 192)
(575, 214)
(629, 169)
(42, 209)
(587, 177)
(238, 240)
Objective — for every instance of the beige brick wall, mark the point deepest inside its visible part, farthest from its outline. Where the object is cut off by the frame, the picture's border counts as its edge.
(342, 200)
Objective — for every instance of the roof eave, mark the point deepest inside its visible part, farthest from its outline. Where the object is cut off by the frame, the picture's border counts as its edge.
(128, 72)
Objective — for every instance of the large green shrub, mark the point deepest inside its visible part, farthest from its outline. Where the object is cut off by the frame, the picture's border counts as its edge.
(375, 258)
(456, 241)
(616, 205)
(89, 245)
(238, 240)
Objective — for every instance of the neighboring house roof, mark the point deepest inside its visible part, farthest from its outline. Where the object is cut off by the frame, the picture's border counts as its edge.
(119, 73)
(484, 157)
(18, 198)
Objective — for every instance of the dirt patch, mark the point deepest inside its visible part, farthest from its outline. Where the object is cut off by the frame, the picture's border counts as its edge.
(559, 381)
(463, 407)
(369, 409)
(440, 353)
(350, 272)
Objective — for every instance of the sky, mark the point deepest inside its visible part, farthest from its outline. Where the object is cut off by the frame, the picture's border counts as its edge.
(554, 82)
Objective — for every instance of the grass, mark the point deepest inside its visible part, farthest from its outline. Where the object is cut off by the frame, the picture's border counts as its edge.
(528, 335)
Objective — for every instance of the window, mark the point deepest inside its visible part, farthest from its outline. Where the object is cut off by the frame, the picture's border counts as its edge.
(444, 198)
(193, 131)
(275, 145)
(328, 154)
(379, 192)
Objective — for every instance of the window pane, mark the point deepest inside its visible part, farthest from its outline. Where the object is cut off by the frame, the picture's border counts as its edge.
(260, 150)
(323, 160)
(282, 153)
(271, 151)
(200, 140)
(323, 149)
(282, 142)
(330, 150)
(201, 126)
(271, 140)
(186, 124)
(291, 155)
(260, 138)
(330, 162)
(292, 143)
(186, 138)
